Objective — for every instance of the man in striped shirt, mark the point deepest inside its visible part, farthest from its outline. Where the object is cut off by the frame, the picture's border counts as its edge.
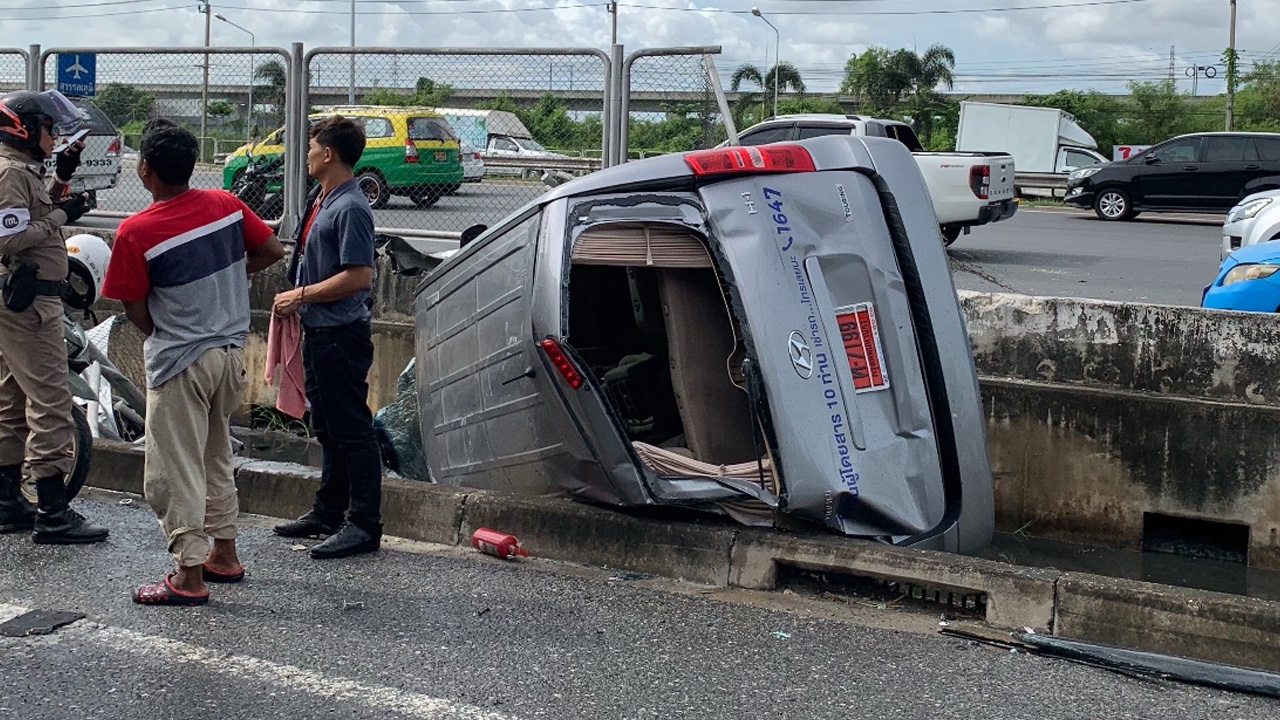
(181, 268)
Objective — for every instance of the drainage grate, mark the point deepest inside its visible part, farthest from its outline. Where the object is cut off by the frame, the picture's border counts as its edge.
(882, 591)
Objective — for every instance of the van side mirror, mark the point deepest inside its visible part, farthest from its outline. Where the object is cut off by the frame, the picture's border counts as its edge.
(470, 234)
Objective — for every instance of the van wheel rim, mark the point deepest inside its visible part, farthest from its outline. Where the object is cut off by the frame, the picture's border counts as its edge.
(369, 187)
(1111, 205)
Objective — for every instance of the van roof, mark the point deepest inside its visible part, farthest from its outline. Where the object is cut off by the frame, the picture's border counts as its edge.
(380, 110)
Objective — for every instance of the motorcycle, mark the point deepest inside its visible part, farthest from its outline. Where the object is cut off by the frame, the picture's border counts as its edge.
(261, 186)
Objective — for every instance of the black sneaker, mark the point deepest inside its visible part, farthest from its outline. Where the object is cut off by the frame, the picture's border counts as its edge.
(308, 526)
(349, 540)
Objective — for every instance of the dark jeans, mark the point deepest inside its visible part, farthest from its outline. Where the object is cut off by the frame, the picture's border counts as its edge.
(336, 364)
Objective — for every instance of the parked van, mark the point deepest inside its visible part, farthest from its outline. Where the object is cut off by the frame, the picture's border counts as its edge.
(502, 136)
(408, 151)
(760, 331)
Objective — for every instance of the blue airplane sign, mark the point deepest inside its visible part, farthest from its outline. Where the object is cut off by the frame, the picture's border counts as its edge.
(76, 74)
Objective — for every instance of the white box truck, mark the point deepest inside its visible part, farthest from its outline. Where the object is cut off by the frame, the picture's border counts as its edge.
(1040, 139)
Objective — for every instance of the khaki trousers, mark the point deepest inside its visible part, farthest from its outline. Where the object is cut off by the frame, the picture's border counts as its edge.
(189, 479)
(35, 402)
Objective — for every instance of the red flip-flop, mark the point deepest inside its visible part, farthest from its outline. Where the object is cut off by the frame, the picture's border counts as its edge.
(214, 576)
(164, 593)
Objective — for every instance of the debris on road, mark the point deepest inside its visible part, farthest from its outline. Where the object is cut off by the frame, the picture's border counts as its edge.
(499, 545)
(38, 622)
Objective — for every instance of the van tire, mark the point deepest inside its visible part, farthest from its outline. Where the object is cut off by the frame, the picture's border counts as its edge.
(374, 188)
(427, 196)
(950, 233)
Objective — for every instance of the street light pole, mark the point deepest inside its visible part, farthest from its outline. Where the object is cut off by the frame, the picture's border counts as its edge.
(777, 58)
(351, 84)
(253, 42)
(1231, 71)
(204, 89)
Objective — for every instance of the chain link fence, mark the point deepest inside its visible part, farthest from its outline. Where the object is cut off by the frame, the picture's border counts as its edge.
(458, 137)
(134, 85)
(13, 70)
(671, 102)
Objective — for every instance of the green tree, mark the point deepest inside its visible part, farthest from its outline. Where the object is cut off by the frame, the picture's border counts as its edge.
(124, 104)
(273, 76)
(1258, 100)
(901, 83)
(1157, 111)
(784, 75)
(220, 109)
(426, 93)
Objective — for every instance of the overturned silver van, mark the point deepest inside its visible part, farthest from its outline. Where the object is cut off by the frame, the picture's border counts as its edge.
(769, 332)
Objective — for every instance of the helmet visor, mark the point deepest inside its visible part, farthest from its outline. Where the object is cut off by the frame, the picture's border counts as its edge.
(67, 118)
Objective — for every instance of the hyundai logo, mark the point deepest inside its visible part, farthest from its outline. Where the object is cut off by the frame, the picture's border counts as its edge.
(801, 354)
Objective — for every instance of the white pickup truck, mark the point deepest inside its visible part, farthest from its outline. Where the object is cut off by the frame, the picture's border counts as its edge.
(967, 188)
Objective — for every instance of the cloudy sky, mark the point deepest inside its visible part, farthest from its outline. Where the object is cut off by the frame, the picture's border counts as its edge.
(1000, 45)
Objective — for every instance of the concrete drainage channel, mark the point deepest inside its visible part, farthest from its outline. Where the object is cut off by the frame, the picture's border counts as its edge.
(1158, 618)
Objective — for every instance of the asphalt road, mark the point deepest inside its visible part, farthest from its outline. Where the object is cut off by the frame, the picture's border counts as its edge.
(485, 202)
(1158, 259)
(428, 632)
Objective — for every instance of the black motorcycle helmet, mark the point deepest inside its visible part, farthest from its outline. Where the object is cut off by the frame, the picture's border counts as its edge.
(24, 111)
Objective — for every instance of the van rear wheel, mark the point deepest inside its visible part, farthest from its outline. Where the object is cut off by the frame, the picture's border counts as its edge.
(950, 233)
(374, 188)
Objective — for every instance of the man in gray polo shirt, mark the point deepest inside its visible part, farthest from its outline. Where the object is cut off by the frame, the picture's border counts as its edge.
(332, 270)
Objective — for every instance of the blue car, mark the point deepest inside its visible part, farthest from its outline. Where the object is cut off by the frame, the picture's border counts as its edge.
(1248, 279)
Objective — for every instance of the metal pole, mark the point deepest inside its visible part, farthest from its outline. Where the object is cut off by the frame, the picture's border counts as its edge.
(777, 57)
(1231, 71)
(253, 41)
(621, 114)
(726, 115)
(204, 88)
(35, 69)
(351, 83)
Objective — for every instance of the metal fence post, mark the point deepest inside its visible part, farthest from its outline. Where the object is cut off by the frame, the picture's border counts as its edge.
(295, 142)
(726, 115)
(35, 69)
(618, 143)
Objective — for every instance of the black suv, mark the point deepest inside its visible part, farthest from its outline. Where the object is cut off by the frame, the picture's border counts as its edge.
(1204, 172)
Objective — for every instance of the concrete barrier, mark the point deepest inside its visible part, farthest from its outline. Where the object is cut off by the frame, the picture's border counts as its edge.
(1176, 621)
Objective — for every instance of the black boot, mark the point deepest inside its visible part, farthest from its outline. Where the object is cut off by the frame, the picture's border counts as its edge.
(16, 514)
(56, 522)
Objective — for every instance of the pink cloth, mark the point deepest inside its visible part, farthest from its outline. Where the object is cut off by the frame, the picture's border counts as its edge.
(284, 350)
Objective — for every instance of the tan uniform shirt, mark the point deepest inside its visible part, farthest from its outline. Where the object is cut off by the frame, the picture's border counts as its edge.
(29, 221)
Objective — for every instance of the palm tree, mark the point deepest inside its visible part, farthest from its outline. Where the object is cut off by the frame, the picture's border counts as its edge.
(742, 110)
(883, 81)
(784, 74)
(272, 73)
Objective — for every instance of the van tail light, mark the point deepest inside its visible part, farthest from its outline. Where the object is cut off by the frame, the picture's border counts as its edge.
(570, 374)
(475, 156)
(980, 181)
(410, 151)
(776, 158)
(113, 150)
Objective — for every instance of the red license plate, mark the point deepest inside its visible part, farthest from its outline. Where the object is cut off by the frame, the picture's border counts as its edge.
(861, 338)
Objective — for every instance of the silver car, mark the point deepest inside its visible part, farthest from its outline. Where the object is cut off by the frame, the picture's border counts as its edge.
(472, 164)
(767, 332)
(1253, 220)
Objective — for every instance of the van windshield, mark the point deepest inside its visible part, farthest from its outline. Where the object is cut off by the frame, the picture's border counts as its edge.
(430, 128)
(529, 144)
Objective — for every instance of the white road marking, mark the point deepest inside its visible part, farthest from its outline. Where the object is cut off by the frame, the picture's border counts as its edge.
(289, 677)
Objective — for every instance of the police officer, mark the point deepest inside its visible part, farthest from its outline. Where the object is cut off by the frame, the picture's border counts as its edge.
(35, 402)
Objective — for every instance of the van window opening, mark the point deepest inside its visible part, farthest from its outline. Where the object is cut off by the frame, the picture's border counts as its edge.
(650, 319)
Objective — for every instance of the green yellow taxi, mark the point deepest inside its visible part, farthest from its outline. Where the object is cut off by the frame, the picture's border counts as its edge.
(409, 151)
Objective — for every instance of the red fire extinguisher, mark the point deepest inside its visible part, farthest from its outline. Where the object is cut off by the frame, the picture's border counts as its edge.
(500, 545)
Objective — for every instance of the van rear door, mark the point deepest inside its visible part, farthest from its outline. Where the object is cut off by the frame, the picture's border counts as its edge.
(829, 322)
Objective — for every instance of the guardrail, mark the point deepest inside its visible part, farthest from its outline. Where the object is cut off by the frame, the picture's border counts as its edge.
(543, 163)
(1044, 181)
